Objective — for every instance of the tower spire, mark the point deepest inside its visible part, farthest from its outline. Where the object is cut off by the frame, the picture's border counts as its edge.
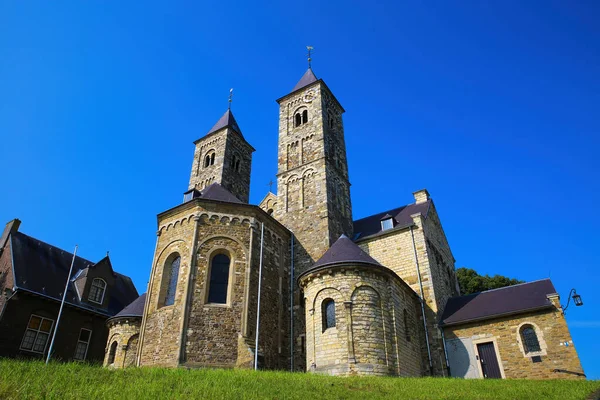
(310, 49)
(230, 98)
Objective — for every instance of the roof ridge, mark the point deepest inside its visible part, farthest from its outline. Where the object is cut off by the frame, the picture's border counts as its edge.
(506, 287)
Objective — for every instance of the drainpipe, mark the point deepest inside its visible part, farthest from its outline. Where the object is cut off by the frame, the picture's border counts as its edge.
(147, 305)
(445, 352)
(262, 233)
(292, 306)
(422, 301)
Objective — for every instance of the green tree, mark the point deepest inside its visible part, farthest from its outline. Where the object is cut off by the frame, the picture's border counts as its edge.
(471, 282)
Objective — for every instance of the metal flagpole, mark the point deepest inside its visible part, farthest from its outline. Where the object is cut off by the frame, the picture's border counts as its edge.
(62, 304)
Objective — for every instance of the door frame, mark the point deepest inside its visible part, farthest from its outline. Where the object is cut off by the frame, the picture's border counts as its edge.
(495, 342)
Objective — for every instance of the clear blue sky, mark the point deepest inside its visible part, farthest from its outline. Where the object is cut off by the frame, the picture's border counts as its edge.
(494, 107)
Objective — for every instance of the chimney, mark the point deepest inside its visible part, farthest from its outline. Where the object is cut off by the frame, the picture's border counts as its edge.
(10, 228)
(421, 196)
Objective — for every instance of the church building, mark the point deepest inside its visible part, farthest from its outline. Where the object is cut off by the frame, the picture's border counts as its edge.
(295, 283)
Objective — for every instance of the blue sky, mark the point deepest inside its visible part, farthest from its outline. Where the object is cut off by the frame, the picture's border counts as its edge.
(491, 106)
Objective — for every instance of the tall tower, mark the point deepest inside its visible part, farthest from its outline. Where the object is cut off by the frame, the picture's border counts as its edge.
(313, 198)
(223, 156)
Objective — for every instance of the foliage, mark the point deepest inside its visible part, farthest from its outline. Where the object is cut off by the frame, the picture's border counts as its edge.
(34, 380)
(471, 282)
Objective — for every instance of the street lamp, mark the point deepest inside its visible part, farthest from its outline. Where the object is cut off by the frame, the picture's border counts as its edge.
(576, 299)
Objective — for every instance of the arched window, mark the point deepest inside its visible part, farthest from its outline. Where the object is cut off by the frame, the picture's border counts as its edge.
(531, 343)
(207, 161)
(219, 279)
(112, 353)
(304, 116)
(406, 328)
(173, 273)
(212, 159)
(270, 211)
(298, 119)
(97, 291)
(237, 165)
(328, 313)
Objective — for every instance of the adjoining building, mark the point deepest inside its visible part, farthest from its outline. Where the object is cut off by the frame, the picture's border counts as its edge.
(33, 275)
(321, 292)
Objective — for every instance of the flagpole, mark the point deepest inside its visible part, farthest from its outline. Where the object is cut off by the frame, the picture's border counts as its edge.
(62, 304)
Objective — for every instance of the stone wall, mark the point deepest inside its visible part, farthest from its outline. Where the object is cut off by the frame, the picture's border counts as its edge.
(371, 335)
(558, 350)
(201, 175)
(195, 332)
(125, 333)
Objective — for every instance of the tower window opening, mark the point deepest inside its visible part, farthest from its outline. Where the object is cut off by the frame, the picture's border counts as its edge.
(304, 116)
(298, 120)
(212, 159)
(207, 161)
(237, 165)
(328, 314)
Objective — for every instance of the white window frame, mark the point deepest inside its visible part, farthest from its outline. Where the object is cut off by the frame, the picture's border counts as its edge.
(103, 291)
(87, 344)
(383, 228)
(37, 332)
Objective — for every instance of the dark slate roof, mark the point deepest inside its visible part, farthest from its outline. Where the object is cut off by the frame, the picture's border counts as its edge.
(498, 302)
(344, 251)
(215, 191)
(135, 309)
(308, 78)
(372, 224)
(227, 120)
(42, 268)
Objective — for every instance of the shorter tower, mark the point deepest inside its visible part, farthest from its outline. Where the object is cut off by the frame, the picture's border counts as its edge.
(225, 157)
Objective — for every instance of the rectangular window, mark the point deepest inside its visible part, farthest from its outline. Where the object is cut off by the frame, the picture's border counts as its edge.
(387, 224)
(37, 333)
(82, 344)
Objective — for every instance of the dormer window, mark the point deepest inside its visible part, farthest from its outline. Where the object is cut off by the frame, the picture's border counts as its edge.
(97, 291)
(387, 223)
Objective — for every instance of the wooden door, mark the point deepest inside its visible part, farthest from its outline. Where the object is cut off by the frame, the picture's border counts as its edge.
(488, 360)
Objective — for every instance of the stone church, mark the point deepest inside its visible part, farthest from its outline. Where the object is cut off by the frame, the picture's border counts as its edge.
(295, 283)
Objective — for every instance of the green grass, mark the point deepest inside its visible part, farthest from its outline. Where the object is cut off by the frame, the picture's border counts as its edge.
(34, 380)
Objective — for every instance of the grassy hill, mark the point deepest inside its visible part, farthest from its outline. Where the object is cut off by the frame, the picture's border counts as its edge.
(34, 380)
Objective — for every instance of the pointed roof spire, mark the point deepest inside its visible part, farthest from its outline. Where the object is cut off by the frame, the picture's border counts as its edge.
(227, 120)
(308, 78)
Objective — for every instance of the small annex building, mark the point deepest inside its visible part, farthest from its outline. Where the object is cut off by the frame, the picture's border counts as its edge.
(517, 331)
(33, 275)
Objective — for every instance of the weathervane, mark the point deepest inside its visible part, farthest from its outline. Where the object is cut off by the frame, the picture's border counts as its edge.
(310, 49)
(230, 98)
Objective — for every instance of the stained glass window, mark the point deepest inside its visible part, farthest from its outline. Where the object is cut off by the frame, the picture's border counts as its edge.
(219, 279)
(173, 278)
(328, 313)
(530, 339)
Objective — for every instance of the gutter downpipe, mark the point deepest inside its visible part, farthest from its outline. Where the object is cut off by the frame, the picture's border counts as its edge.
(138, 360)
(292, 306)
(445, 351)
(422, 301)
(262, 233)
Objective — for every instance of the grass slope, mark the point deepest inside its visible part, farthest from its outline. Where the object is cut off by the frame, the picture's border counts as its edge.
(34, 380)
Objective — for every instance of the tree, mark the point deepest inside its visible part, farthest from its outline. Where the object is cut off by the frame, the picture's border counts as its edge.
(471, 282)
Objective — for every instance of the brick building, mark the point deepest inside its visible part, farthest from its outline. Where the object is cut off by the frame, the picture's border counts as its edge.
(32, 281)
(324, 292)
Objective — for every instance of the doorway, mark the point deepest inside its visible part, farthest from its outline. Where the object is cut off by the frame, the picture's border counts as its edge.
(488, 360)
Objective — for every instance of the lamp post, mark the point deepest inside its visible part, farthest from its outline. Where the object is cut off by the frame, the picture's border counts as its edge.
(576, 299)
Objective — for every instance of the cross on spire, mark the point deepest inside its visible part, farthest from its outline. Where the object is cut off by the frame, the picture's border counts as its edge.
(271, 185)
(230, 98)
(310, 49)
